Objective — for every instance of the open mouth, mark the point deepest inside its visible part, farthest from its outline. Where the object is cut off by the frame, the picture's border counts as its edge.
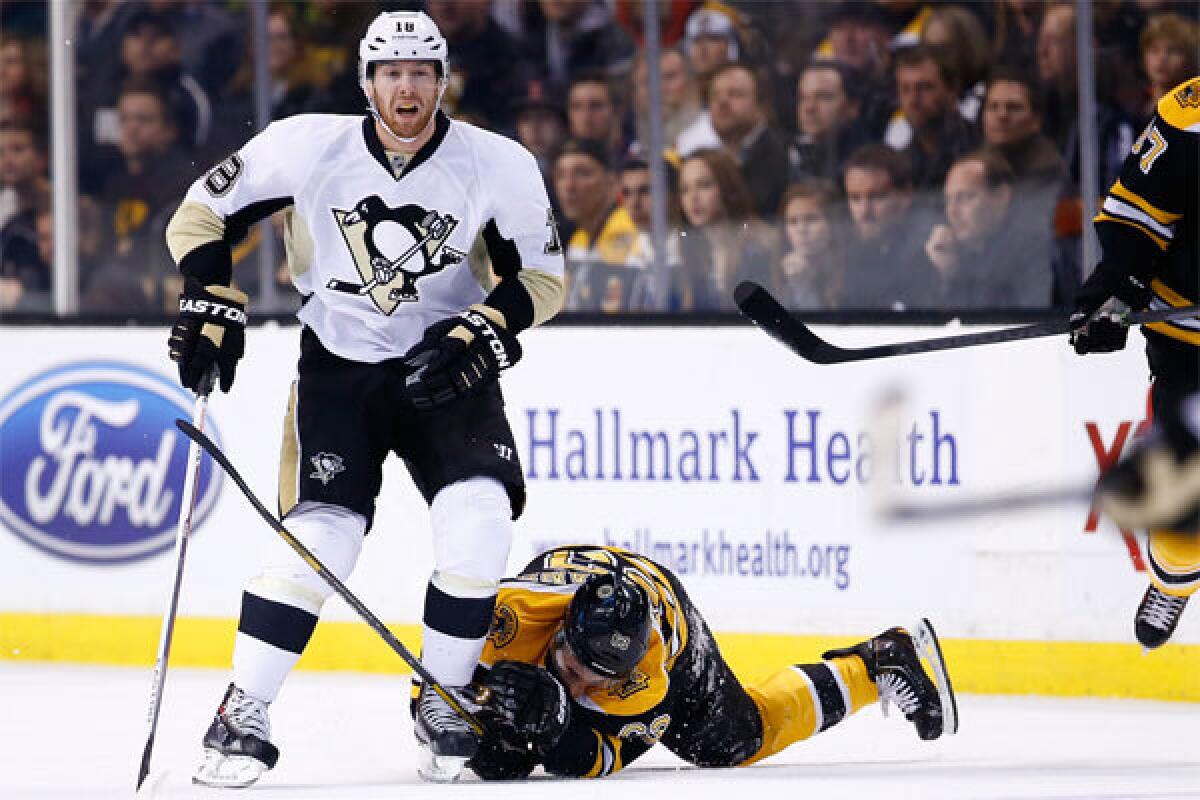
(407, 112)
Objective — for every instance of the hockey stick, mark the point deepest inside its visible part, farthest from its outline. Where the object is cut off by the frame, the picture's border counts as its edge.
(183, 531)
(331, 579)
(767, 313)
(1000, 503)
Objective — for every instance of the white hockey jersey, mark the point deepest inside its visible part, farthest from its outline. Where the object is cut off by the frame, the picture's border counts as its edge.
(388, 255)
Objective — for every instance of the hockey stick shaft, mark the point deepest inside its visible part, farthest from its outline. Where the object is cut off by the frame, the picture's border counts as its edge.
(766, 312)
(331, 579)
(183, 531)
(1000, 503)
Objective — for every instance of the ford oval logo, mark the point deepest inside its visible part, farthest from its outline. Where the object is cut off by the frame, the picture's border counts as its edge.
(92, 465)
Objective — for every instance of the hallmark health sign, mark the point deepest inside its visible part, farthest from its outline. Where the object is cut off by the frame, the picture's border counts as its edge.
(91, 464)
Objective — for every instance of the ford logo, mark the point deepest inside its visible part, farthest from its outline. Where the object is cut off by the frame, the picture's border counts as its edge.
(92, 465)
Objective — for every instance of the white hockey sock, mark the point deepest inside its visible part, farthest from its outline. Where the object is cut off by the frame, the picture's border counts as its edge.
(451, 660)
(259, 669)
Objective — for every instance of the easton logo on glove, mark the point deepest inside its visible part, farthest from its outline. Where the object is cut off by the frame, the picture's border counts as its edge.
(482, 326)
(211, 309)
(456, 356)
(209, 332)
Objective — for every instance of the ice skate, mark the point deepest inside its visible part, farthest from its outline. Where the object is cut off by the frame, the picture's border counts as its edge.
(237, 746)
(1157, 616)
(893, 660)
(446, 742)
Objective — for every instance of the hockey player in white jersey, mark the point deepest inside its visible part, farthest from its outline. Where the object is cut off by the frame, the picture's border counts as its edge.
(402, 342)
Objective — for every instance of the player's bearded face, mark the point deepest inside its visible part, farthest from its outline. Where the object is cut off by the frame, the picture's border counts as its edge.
(406, 95)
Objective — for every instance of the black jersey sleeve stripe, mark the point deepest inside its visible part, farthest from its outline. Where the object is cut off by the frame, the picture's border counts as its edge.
(509, 296)
(210, 263)
(238, 223)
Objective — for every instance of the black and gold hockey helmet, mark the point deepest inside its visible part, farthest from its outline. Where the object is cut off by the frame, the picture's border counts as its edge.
(608, 624)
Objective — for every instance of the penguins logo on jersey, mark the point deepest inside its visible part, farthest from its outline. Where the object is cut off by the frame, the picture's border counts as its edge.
(392, 248)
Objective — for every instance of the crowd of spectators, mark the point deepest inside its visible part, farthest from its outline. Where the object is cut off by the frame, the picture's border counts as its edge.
(862, 154)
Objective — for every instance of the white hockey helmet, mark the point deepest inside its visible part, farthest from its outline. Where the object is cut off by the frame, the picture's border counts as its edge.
(403, 36)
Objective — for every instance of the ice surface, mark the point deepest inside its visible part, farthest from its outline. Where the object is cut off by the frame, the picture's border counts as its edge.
(78, 731)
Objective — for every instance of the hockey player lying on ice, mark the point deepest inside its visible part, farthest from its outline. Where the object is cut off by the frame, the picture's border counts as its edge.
(596, 654)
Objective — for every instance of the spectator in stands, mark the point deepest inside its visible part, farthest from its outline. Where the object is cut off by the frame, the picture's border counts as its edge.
(672, 20)
(578, 36)
(886, 264)
(151, 174)
(1015, 32)
(812, 268)
(149, 53)
(711, 43)
(487, 70)
(986, 257)
(1057, 72)
(334, 29)
(928, 92)
(23, 78)
(541, 122)
(98, 30)
(593, 113)
(601, 259)
(739, 116)
(958, 36)
(828, 119)
(1185, 8)
(24, 275)
(635, 197)
(1012, 124)
(859, 35)
(23, 176)
(722, 242)
(1169, 45)
(213, 33)
(296, 79)
(687, 126)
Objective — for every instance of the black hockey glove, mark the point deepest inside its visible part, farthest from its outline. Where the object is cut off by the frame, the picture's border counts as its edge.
(1156, 486)
(525, 706)
(1100, 333)
(456, 356)
(210, 330)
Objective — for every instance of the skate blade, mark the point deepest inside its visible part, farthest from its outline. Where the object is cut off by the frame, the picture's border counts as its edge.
(228, 772)
(927, 645)
(439, 769)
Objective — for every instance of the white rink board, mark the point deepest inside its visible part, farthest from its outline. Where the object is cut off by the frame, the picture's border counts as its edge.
(1008, 417)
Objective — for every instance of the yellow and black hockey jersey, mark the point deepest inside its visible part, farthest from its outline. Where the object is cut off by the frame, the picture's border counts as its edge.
(611, 726)
(1148, 223)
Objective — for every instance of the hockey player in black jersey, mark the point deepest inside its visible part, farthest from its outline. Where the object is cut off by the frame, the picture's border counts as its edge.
(402, 343)
(597, 653)
(1148, 230)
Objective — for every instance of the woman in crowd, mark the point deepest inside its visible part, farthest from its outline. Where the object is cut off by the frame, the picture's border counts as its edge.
(721, 242)
(813, 263)
(1169, 44)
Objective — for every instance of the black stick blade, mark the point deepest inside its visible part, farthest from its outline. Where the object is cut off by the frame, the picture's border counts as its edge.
(757, 304)
(144, 769)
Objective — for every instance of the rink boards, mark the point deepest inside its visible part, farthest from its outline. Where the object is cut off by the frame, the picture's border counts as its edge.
(752, 474)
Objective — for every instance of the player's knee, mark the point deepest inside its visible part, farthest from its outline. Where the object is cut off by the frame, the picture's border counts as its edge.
(333, 534)
(472, 534)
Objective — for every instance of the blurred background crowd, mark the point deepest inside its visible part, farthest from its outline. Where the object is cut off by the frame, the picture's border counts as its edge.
(885, 155)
